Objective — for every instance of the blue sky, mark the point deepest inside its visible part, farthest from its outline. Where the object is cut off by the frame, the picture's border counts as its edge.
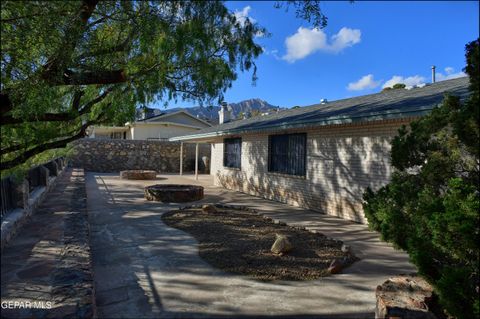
(365, 46)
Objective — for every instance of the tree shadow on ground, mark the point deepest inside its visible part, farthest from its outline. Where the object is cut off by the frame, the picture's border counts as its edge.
(144, 268)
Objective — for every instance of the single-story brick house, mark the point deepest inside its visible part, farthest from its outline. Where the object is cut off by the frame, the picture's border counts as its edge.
(323, 156)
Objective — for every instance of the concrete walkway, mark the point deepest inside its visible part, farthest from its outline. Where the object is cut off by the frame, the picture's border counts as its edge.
(142, 268)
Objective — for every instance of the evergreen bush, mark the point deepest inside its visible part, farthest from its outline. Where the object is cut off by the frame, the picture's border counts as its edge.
(431, 206)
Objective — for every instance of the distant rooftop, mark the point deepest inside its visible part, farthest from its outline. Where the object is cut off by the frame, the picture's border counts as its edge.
(391, 104)
(142, 114)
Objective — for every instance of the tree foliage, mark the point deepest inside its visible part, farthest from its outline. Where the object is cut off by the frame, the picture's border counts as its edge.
(398, 86)
(431, 206)
(66, 65)
(394, 87)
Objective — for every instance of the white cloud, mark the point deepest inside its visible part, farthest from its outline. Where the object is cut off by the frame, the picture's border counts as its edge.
(273, 53)
(242, 16)
(365, 82)
(345, 38)
(449, 70)
(307, 41)
(408, 81)
(303, 43)
(450, 74)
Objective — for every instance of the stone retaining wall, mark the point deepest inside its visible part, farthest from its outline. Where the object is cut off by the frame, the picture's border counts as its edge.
(28, 201)
(101, 155)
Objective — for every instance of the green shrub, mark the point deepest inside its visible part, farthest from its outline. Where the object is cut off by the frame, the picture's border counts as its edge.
(431, 206)
(19, 172)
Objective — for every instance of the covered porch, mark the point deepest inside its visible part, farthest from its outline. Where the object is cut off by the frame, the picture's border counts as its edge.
(197, 143)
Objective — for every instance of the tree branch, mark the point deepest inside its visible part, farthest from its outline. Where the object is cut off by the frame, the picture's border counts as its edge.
(46, 117)
(28, 16)
(116, 48)
(15, 147)
(59, 117)
(57, 63)
(76, 100)
(91, 77)
(47, 146)
(88, 106)
(41, 148)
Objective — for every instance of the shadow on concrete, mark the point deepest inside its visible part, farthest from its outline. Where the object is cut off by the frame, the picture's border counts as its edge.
(144, 268)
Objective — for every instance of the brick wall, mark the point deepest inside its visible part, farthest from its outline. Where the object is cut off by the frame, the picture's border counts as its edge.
(342, 161)
(102, 155)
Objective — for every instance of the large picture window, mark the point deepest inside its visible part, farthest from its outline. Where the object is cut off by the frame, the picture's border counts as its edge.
(232, 152)
(287, 154)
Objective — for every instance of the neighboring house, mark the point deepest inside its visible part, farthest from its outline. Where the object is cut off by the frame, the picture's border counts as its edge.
(156, 127)
(323, 156)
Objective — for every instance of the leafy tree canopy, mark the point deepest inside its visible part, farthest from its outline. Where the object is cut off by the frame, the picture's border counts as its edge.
(398, 86)
(394, 87)
(66, 65)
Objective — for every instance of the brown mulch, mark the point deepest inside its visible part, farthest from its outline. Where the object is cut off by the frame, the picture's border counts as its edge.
(239, 241)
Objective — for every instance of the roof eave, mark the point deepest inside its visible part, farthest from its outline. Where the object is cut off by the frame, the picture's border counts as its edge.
(307, 124)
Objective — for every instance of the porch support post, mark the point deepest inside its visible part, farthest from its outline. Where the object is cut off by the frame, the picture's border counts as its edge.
(196, 161)
(181, 158)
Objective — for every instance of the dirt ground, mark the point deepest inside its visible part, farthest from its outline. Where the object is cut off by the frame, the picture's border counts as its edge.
(239, 241)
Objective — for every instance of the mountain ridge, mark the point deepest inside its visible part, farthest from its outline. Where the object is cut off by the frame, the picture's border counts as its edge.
(210, 113)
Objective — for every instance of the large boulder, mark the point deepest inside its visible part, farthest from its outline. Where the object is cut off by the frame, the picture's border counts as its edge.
(281, 245)
(404, 297)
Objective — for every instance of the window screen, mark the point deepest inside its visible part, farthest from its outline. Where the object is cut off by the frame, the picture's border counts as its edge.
(287, 154)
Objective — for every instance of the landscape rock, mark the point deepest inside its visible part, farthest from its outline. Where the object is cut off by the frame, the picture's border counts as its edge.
(209, 209)
(404, 297)
(281, 245)
(335, 267)
(346, 248)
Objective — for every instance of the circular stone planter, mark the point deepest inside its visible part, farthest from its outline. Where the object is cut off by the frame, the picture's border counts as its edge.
(172, 193)
(138, 174)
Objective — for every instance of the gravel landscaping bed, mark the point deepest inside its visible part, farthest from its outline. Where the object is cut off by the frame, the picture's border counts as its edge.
(239, 241)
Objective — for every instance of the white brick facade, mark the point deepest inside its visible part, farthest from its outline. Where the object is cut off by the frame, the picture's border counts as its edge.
(342, 161)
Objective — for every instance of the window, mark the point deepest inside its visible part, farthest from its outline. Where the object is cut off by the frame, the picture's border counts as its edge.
(287, 154)
(116, 135)
(232, 152)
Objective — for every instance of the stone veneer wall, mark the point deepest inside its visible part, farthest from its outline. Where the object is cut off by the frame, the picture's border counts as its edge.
(103, 155)
(342, 161)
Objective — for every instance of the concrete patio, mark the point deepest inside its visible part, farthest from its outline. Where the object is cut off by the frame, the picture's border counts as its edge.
(142, 268)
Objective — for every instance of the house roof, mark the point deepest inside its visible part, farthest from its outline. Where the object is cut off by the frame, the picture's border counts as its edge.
(391, 104)
(164, 116)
